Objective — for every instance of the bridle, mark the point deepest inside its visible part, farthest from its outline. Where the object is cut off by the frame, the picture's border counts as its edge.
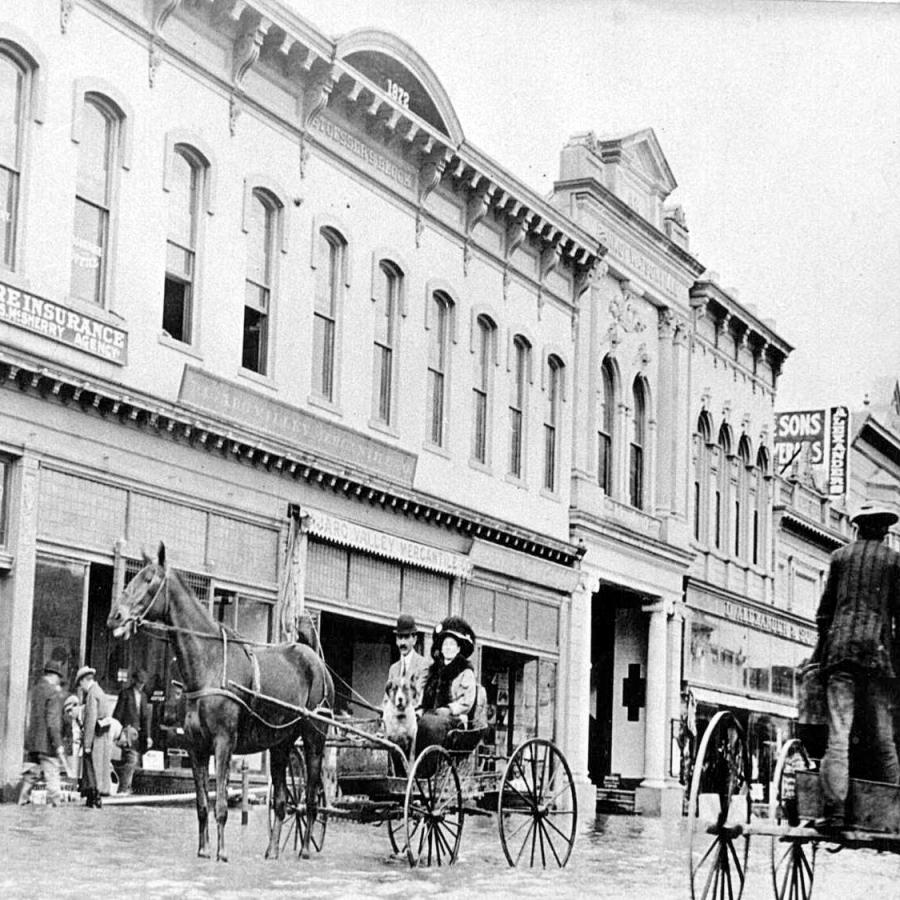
(137, 619)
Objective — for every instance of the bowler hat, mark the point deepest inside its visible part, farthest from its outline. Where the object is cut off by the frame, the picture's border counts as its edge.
(51, 667)
(84, 670)
(874, 512)
(406, 624)
(456, 627)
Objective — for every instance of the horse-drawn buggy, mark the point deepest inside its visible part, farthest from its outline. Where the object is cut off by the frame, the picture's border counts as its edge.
(244, 697)
(721, 822)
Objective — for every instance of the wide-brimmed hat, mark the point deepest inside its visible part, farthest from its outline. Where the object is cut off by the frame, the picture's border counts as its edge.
(875, 513)
(51, 667)
(406, 624)
(84, 670)
(456, 627)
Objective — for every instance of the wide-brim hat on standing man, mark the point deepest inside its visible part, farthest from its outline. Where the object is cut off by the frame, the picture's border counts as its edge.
(406, 624)
(83, 671)
(876, 514)
(52, 668)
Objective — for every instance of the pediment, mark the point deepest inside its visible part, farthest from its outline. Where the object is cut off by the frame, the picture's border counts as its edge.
(641, 154)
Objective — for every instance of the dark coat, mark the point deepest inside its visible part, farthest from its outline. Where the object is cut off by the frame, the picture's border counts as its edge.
(45, 721)
(859, 613)
(127, 713)
(451, 685)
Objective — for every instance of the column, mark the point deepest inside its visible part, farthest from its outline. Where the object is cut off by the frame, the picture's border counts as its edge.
(657, 696)
(665, 414)
(18, 593)
(681, 434)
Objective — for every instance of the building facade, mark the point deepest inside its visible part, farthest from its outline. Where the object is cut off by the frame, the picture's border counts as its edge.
(261, 300)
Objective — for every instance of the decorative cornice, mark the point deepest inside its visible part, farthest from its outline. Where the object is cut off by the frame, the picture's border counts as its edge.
(95, 396)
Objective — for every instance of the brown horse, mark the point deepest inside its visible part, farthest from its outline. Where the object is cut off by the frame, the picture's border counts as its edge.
(242, 698)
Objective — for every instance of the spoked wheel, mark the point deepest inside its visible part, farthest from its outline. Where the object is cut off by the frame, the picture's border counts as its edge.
(295, 817)
(719, 808)
(396, 829)
(793, 861)
(433, 810)
(537, 809)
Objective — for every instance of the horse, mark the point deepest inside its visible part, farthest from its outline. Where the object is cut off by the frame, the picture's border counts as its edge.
(241, 697)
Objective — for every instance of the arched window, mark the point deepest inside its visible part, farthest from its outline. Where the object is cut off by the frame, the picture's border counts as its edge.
(760, 507)
(606, 417)
(636, 459)
(185, 180)
(329, 282)
(438, 358)
(13, 92)
(483, 345)
(97, 151)
(722, 482)
(260, 226)
(552, 405)
(518, 402)
(386, 294)
(701, 474)
(741, 496)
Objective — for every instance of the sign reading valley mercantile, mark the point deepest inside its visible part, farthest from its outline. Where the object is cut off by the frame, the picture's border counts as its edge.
(59, 323)
(756, 618)
(294, 426)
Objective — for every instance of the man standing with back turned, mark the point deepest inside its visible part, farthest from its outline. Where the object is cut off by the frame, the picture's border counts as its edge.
(858, 618)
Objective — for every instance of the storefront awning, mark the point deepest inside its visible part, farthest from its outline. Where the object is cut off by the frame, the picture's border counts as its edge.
(788, 709)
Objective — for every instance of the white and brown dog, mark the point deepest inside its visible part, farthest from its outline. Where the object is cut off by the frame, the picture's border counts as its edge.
(401, 697)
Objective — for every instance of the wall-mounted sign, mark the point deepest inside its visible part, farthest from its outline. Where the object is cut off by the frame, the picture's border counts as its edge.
(59, 323)
(815, 442)
(398, 93)
(295, 427)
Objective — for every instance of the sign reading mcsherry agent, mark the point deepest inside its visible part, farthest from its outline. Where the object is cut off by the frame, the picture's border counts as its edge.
(59, 323)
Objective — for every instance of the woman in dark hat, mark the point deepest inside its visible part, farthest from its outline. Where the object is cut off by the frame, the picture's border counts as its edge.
(451, 688)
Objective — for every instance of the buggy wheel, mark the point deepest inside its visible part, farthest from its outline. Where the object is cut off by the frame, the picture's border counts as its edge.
(294, 827)
(537, 810)
(793, 861)
(433, 810)
(718, 810)
(396, 829)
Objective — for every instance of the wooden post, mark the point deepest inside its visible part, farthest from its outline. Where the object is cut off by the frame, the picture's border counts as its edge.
(245, 791)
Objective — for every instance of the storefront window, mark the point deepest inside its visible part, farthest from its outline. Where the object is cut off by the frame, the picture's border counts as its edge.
(56, 626)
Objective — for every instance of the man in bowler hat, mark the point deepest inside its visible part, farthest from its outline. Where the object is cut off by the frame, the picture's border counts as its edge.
(43, 741)
(858, 618)
(411, 664)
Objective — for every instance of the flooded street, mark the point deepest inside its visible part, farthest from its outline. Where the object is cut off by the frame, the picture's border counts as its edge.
(150, 852)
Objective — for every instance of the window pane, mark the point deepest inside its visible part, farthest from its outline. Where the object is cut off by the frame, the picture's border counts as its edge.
(636, 477)
(326, 280)
(256, 297)
(386, 294)
(259, 241)
(179, 261)
(9, 189)
(10, 112)
(437, 345)
(88, 245)
(176, 310)
(254, 619)
(323, 356)
(515, 442)
(382, 384)
(182, 201)
(5, 469)
(436, 397)
(93, 155)
(604, 461)
(255, 339)
(479, 436)
(549, 457)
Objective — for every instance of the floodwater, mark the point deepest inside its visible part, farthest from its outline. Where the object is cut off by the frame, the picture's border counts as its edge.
(144, 851)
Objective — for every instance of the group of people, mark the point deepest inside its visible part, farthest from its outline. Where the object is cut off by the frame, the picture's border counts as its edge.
(858, 652)
(446, 687)
(76, 732)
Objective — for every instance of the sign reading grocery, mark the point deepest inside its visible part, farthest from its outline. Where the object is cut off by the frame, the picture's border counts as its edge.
(59, 323)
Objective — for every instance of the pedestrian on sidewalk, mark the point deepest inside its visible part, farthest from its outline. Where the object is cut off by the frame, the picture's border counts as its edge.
(134, 712)
(95, 759)
(43, 740)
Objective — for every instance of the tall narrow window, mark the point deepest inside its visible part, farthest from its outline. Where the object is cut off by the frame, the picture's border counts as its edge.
(697, 502)
(517, 400)
(638, 441)
(551, 421)
(702, 466)
(328, 285)
(12, 80)
(718, 523)
(5, 469)
(260, 225)
(387, 293)
(90, 242)
(605, 424)
(437, 367)
(742, 495)
(755, 555)
(481, 383)
(723, 487)
(178, 294)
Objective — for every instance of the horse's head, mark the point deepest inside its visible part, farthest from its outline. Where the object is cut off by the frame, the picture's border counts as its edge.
(140, 598)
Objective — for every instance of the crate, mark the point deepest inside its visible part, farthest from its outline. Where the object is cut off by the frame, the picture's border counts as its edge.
(871, 805)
